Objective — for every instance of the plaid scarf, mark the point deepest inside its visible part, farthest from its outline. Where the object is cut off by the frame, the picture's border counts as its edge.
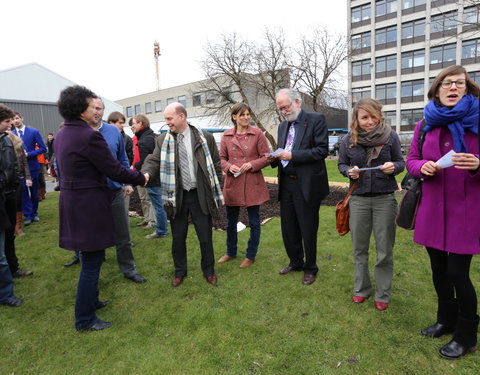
(167, 171)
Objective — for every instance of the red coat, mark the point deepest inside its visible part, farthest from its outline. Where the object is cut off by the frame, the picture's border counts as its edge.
(248, 189)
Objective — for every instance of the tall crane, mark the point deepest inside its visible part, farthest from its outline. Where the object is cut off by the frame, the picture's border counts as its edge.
(156, 54)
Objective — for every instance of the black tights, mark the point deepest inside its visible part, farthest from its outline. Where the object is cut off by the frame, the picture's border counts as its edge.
(451, 278)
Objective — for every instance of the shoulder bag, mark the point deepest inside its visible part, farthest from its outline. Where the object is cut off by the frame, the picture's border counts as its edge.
(342, 212)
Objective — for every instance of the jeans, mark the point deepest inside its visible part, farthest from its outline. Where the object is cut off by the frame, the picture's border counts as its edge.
(87, 291)
(232, 235)
(155, 194)
(6, 280)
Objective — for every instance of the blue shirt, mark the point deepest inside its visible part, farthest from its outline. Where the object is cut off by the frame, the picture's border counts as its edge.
(117, 146)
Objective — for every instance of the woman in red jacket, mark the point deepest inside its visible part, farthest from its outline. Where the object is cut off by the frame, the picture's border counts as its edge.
(242, 153)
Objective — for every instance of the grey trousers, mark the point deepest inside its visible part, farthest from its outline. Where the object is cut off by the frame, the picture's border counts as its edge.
(147, 207)
(377, 213)
(125, 259)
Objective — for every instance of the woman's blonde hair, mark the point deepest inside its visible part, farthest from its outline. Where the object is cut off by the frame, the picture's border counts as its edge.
(373, 107)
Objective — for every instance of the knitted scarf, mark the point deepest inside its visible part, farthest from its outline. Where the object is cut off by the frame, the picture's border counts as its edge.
(374, 140)
(167, 171)
(460, 118)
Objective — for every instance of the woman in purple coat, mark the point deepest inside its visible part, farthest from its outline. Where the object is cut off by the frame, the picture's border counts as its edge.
(84, 162)
(449, 211)
(242, 155)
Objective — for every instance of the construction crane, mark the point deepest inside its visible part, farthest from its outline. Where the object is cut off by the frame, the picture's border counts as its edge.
(156, 54)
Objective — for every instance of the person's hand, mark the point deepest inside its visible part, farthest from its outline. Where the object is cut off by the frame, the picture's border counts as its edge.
(28, 183)
(353, 173)
(269, 157)
(234, 169)
(286, 155)
(465, 161)
(127, 190)
(387, 168)
(147, 177)
(245, 167)
(430, 168)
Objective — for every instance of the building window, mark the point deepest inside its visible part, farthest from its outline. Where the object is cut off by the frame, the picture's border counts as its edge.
(409, 118)
(361, 93)
(408, 4)
(442, 56)
(138, 109)
(360, 14)
(391, 118)
(413, 32)
(182, 99)
(471, 51)
(413, 61)
(384, 8)
(385, 38)
(361, 70)
(197, 99)
(475, 76)
(148, 107)
(471, 17)
(361, 42)
(158, 106)
(412, 91)
(443, 25)
(386, 94)
(210, 97)
(170, 100)
(129, 111)
(385, 66)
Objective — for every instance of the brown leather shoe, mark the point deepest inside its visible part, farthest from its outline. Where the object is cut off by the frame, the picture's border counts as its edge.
(142, 224)
(22, 273)
(288, 269)
(308, 279)
(177, 281)
(247, 263)
(225, 258)
(212, 279)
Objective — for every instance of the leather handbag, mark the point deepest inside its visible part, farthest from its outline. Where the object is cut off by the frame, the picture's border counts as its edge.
(342, 212)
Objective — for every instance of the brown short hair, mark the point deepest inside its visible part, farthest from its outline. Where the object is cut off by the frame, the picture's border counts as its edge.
(143, 119)
(373, 107)
(6, 112)
(115, 117)
(238, 109)
(472, 87)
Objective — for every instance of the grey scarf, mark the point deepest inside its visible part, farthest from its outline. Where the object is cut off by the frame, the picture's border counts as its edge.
(374, 140)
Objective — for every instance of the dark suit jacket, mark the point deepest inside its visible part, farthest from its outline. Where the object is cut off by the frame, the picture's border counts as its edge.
(309, 151)
(84, 161)
(31, 139)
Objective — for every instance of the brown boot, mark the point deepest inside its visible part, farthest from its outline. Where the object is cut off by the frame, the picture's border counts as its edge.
(19, 224)
(41, 193)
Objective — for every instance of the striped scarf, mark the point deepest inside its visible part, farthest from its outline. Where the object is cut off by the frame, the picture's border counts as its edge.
(167, 171)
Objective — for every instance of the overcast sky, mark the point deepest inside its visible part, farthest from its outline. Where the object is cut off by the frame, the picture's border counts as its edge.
(107, 45)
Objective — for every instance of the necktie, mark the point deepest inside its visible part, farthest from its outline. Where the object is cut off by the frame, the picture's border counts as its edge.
(20, 134)
(289, 143)
(184, 165)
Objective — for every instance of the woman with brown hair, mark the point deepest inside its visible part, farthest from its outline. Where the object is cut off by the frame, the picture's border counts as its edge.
(374, 145)
(242, 153)
(449, 211)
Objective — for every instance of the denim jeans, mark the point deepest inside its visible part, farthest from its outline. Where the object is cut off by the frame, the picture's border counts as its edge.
(232, 236)
(155, 194)
(6, 280)
(87, 291)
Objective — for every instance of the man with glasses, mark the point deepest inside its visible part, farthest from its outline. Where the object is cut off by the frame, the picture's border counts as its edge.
(302, 181)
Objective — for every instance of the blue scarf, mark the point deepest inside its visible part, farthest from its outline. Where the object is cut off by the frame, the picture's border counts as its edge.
(460, 118)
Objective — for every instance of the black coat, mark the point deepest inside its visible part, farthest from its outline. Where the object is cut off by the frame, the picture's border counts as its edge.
(146, 145)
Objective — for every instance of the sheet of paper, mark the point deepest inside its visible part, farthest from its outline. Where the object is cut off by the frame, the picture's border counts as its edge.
(237, 174)
(446, 160)
(277, 152)
(368, 169)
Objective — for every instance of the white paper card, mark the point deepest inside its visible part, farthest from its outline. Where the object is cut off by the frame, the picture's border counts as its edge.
(446, 160)
(240, 226)
(237, 174)
(368, 169)
(277, 152)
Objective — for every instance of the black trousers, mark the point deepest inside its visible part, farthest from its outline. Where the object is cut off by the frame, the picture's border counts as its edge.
(10, 253)
(203, 228)
(299, 222)
(451, 279)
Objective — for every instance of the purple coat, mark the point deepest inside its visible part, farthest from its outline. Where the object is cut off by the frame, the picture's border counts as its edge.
(84, 161)
(248, 189)
(448, 217)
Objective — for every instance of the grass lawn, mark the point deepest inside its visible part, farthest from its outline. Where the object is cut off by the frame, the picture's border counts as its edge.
(254, 322)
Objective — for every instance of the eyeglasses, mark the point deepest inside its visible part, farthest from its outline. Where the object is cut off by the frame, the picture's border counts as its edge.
(284, 108)
(460, 83)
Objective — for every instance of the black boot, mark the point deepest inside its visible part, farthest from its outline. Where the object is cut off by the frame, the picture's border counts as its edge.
(447, 314)
(464, 340)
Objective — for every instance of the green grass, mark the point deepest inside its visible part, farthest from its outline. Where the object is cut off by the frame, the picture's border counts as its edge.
(332, 170)
(254, 322)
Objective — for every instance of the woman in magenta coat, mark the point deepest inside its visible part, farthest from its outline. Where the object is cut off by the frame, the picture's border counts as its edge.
(84, 162)
(449, 212)
(242, 153)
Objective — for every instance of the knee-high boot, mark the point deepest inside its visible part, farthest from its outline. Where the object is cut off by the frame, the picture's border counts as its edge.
(19, 224)
(464, 339)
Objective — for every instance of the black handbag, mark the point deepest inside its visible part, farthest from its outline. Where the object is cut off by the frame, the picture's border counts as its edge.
(407, 210)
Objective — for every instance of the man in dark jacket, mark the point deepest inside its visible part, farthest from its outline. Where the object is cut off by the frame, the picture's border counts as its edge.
(188, 163)
(146, 145)
(8, 181)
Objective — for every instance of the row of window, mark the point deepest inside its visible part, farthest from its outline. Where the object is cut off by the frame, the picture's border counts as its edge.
(414, 61)
(388, 9)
